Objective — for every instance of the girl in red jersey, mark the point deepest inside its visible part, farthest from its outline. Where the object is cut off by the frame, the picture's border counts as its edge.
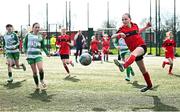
(64, 43)
(131, 34)
(105, 46)
(94, 47)
(168, 46)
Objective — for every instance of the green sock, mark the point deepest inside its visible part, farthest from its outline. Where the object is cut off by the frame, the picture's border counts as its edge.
(132, 72)
(10, 74)
(41, 75)
(128, 70)
(36, 79)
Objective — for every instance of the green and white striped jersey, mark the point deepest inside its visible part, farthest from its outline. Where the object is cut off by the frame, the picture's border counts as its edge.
(11, 42)
(33, 44)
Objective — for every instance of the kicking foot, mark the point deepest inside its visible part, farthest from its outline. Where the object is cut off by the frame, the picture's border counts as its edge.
(170, 73)
(120, 65)
(144, 89)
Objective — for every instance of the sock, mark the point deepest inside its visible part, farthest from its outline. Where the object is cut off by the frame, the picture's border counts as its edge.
(10, 74)
(36, 79)
(66, 68)
(170, 68)
(100, 57)
(131, 70)
(106, 57)
(41, 75)
(76, 57)
(147, 79)
(129, 61)
(128, 70)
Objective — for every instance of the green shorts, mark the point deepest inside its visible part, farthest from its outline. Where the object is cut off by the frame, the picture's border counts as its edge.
(34, 60)
(13, 56)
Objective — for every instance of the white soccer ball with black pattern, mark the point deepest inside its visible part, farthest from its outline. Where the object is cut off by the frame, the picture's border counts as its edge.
(85, 59)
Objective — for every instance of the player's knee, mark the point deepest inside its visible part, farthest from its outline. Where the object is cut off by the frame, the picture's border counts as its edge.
(41, 71)
(34, 73)
(171, 63)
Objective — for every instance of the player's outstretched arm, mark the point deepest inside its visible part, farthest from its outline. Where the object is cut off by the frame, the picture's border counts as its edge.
(146, 27)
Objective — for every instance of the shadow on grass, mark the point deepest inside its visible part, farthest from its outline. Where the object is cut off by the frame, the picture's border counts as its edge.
(136, 85)
(176, 75)
(71, 78)
(98, 109)
(158, 105)
(41, 95)
(13, 85)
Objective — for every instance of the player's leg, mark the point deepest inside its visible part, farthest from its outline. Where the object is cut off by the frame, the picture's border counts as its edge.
(34, 70)
(16, 60)
(165, 63)
(107, 55)
(69, 61)
(41, 72)
(171, 66)
(65, 66)
(137, 52)
(77, 52)
(9, 65)
(146, 75)
(124, 56)
(80, 51)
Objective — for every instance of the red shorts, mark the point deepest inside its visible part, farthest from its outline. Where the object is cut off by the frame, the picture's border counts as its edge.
(169, 55)
(95, 51)
(105, 51)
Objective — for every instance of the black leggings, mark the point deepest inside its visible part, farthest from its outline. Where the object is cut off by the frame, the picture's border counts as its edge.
(78, 51)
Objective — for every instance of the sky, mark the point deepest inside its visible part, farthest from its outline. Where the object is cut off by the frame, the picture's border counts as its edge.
(16, 12)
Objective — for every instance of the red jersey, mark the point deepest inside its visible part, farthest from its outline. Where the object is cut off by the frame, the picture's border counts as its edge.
(106, 44)
(94, 44)
(133, 39)
(169, 45)
(62, 41)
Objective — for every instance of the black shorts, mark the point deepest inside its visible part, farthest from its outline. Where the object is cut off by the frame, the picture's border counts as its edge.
(138, 58)
(64, 56)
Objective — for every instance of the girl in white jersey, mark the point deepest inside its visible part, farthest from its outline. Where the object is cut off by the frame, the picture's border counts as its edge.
(124, 53)
(33, 43)
(11, 47)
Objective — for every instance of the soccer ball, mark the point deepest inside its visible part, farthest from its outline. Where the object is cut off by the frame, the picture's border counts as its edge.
(85, 59)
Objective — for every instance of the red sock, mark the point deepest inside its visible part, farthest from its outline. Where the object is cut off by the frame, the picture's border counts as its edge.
(66, 68)
(170, 69)
(147, 79)
(129, 61)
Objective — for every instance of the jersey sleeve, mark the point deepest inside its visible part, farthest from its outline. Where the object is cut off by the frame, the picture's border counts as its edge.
(25, 43)
(44, 47)
(17, 41)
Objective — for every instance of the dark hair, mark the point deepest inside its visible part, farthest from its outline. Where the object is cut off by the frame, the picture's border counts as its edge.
(128, 15)
(9, 25)
(34, 24)
(16, 32)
